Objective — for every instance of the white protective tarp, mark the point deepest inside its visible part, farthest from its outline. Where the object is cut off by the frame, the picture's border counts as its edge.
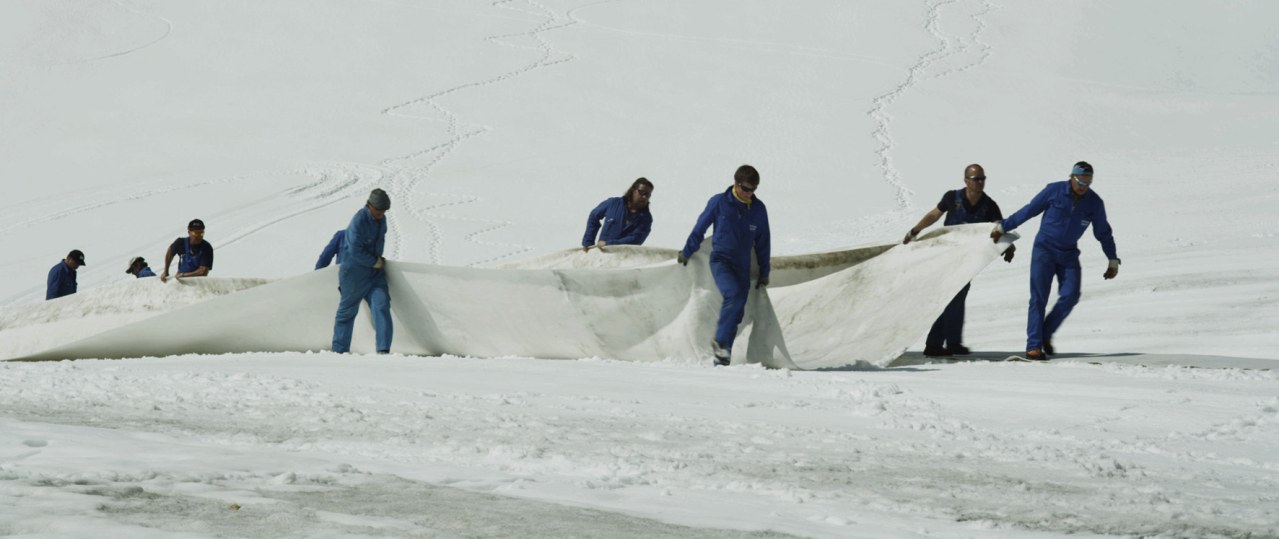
(822, 310)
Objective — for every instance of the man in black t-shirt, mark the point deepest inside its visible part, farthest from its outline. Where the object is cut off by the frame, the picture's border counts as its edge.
(196, 254)
(967, 205)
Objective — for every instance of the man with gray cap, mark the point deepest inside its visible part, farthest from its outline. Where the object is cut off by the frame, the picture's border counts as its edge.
(62, 276)
(361, 276)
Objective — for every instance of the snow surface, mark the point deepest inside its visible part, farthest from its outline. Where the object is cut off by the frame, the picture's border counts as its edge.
(495, 126)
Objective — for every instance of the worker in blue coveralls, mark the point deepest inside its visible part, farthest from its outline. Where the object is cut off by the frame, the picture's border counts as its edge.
(332, 250)
(62, 275)
(626, 218)
(1069, 207)
(361, 276)
(741, 226)
(138, 268)
(196, 254)
(961, 206)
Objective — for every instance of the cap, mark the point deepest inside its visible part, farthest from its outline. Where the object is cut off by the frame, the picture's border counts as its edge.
(1081, 168)
(133, 261)
(379, 200)
(195, 224)
(78, 256)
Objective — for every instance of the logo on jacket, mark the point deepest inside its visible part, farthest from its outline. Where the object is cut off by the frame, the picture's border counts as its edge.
(752, 228)
(1085, 223)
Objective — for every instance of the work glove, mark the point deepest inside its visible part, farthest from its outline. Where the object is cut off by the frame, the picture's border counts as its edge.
(1008, 255)
(683, 260)
(380, 262)
(997, 233)
(909, 236)
(1113, 270)
(761, 283)
(601, 244)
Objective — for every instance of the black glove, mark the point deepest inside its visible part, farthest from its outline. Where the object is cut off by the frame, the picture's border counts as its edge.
(683, 260)
(763, 281)
(1008, 255)
(1113, 270)
(909, 236)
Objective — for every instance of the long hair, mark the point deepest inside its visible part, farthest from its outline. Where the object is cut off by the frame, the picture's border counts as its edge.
(635, 185)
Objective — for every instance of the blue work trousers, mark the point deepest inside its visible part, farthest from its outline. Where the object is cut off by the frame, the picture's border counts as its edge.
(1045, 265)
(362, 284)
(734, 282)
(948, 330)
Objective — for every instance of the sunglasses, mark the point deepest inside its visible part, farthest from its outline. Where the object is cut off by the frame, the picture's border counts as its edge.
(977, 178)
(747, 189)
(644, 193)
(1081, 182)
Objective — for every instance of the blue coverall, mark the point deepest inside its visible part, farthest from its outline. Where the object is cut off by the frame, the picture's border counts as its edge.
(61, 281)
(739, 228)
(621, 227)
(332, 250)
(358, 280)
(191, 258)
(1056, 253)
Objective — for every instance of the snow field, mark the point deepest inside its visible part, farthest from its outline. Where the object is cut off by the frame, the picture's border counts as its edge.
(1171, 451)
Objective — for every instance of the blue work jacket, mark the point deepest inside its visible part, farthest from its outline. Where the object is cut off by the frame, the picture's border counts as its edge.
(620, 226)
(1066, 217)
(739, 229)
(332, 250)
(364, 240)
(61, 281)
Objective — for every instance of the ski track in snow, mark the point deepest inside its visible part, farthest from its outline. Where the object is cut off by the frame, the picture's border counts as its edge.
(745, 44)
(332, 184)
(168, 29)
(968, 50)
(409, 179)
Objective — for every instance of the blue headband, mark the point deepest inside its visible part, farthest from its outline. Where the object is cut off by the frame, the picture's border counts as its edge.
(1081, 171)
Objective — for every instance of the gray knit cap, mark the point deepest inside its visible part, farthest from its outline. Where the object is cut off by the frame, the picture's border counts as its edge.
(379, 200)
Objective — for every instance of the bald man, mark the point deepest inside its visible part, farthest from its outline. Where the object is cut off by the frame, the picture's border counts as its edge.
(961, 206)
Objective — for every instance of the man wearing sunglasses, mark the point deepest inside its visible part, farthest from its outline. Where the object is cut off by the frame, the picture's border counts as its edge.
(741, 226)
(195, 254)
(961, 206)
(1069, 208)
(626, 220)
